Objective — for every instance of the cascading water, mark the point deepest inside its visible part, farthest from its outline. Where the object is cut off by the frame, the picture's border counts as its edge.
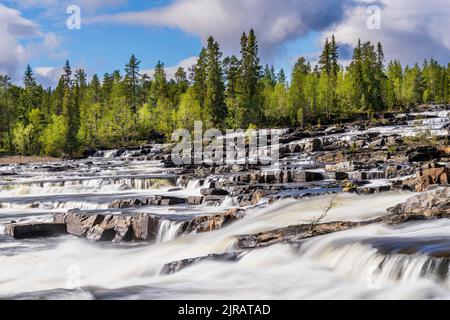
(372, 262)
(168, 231)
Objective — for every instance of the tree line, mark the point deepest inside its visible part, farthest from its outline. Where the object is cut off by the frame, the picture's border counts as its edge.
(224, 92)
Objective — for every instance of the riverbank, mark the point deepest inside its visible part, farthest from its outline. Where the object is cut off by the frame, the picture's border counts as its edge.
(25, 159)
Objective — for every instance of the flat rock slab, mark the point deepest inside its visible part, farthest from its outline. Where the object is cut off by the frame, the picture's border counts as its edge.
(176, 266)
(35, 230)
(138, 227)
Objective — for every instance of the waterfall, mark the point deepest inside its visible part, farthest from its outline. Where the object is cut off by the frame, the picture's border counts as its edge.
(168, 231)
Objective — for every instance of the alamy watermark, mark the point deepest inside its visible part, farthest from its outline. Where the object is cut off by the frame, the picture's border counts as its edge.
(73, 22)
(374, 17)
(234, 147)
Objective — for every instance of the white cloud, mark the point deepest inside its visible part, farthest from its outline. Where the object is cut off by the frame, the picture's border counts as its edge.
(47, 76)
(58, 5)
(170, 71)
(274, 21)
(14, 28)
(411, 30)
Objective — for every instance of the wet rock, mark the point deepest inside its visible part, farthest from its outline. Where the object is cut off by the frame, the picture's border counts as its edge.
(202, 224)
(307, 176)
(421, 154)
(213, 200)
(340, 176)
(195, 200)
(428, 176)
(176, 266)
(123, 204)
(434, 205)
(156, 200)
(260, 194)
(137, 227)
(313, 145)
(34, 230)
(214, 192)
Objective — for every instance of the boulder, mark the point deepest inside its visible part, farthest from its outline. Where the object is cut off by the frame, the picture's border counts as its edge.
(428, 176)
(421, 154)
(34, 230)
(137, 227)
(176, 266)
(214, 192)
(313, 145)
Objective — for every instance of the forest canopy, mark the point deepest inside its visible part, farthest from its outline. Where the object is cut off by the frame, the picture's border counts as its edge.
(130, 107)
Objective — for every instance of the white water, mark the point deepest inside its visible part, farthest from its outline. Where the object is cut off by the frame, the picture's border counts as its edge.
(330, 267)
(168, 231)
(344, 265)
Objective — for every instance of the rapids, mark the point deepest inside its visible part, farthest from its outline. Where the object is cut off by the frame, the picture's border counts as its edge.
(410, 261)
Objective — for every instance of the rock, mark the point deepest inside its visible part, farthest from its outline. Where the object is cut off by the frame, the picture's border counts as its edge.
(123, 204)
(307, 176)
(313, 145)
(259, 194)
(434, 205)
(34, 230)
(214, 192)
(433, 175)
(195, 200)
(213, 222)
(213, 200)
(422, 154)
(430, 175)
(176, 266)
(137, 227)
(341, 176)
(156, 200)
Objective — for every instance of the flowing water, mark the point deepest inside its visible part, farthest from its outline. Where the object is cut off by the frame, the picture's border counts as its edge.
(410, 261)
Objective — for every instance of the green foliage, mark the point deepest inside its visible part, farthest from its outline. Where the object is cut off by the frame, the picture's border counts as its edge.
(53, 137)
(233, 92)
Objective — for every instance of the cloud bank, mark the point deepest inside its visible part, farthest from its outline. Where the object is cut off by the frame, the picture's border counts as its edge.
(411, 29)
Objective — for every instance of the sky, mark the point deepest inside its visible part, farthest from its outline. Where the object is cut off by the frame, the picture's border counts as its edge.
(174, 31)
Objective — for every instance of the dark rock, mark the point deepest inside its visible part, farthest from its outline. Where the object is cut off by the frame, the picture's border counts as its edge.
(137, 227)
(34, 230)
(422, 154)
(340, 176)
(313, 145)
(434, 205)
(195, 200)
(174, 267)
(214, 192)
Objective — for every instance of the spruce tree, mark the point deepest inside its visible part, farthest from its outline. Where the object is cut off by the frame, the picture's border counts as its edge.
(132, 77)
(215, 107)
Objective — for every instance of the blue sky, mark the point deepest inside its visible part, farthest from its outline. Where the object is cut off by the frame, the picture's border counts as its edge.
(35, 32)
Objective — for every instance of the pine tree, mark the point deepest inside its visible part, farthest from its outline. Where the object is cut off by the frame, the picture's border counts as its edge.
(325, 58)
(232, 78)
(132, 77)
(281, 78)
(6, 110)
(297, 96)
(159, 85)
(334, 57)
(215, 107)
(199, 77)
(249, 98)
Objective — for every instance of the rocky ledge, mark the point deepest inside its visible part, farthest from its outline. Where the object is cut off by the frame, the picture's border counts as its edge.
(433, 205)
(120, 227)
